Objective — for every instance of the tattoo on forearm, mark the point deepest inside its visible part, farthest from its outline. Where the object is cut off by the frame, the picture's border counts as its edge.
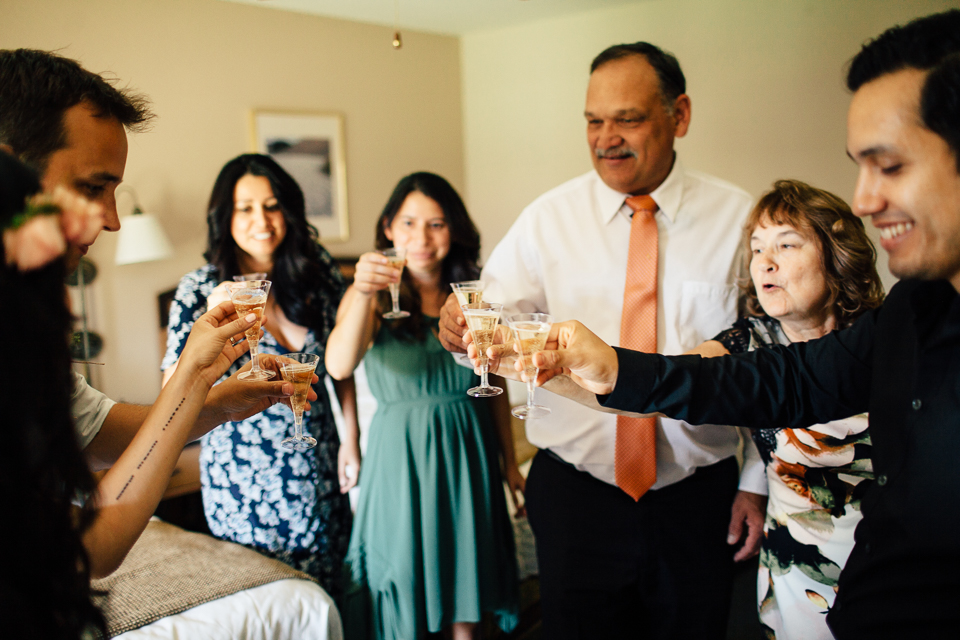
(173, 415)
(152, 447)
(149, 451)
(125, 487)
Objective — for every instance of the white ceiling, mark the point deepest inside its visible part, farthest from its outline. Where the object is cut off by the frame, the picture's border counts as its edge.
(451, 17)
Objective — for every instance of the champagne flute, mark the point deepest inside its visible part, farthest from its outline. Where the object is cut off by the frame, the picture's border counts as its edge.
(250, 296)
(530, 332)
(298, 368)
(259, 275)
(397, 257)
(468, 292)
(482, 321)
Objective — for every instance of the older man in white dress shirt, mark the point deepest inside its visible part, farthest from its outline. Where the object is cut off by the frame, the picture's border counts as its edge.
(618, 562)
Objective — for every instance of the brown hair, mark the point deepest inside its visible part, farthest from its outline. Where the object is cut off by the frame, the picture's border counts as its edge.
(847, 256)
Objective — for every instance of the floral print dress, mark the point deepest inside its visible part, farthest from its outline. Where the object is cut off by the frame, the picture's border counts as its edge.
(284, 504)
(816, 477)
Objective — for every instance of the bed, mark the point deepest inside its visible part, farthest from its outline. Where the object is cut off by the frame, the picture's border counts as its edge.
(175, 584)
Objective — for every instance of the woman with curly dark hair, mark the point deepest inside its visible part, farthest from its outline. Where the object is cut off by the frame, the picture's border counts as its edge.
(812, 271)
(289, 505)
(432, 545)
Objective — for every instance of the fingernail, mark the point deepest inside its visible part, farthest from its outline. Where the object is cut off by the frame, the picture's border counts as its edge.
(287, 389)
(732, 539)
(251, 317)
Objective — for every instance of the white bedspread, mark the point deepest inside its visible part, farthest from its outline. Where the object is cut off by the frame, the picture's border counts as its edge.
(294, 609)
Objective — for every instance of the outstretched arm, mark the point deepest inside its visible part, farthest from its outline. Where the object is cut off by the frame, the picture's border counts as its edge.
(128, 494)
(357, 320)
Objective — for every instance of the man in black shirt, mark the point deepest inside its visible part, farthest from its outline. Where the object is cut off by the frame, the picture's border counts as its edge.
(900, 362)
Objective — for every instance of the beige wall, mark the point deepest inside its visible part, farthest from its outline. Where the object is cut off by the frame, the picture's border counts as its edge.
(497, 112)
(205, 64)
(765, 78)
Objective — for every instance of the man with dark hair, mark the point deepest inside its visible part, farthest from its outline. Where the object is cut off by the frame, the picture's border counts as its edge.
(70, 125)
(900, 362)
(631, 544)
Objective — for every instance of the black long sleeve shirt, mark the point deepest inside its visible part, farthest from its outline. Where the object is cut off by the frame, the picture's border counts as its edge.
(900, 363)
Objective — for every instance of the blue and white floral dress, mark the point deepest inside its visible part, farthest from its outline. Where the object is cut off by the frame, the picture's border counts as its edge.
(284, 504)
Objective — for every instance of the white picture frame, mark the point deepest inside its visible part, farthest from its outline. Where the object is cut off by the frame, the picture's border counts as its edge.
(310, 147)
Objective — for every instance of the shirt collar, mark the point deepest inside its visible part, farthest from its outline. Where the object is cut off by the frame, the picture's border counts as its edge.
(667, 196)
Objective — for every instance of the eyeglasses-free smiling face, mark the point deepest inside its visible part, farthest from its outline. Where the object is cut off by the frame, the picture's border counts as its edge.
(420, 226)
(257, 226)
(908, 183)
(92, 164)
(787, 272)
(629, 129)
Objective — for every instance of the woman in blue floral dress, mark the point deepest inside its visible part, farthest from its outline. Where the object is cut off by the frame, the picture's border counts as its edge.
(289, 505)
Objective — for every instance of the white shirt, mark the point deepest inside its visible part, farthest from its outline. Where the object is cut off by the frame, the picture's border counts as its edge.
(566, 255)
(89, 408)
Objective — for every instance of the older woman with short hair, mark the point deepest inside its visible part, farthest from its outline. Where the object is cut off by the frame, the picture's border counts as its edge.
(812, 270)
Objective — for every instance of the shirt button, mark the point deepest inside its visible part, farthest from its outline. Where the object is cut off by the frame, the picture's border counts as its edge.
(882, 479)
(866, 548)
(916, 404)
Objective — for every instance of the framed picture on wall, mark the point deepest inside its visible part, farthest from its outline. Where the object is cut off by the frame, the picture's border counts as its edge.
(310, 147)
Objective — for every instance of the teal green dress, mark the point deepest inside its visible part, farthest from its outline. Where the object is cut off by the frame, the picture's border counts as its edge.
(432, 543)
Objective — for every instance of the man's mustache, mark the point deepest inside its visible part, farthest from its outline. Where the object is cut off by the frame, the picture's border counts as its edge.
(616, 152)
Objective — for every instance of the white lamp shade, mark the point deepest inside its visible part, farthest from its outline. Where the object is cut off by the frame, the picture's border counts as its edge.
(141, 240)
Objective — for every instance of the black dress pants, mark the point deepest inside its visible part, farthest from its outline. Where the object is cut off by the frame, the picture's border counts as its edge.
(611, 567)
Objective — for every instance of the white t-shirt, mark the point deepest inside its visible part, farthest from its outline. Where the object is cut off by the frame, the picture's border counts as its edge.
(566, 255)
(89, 408)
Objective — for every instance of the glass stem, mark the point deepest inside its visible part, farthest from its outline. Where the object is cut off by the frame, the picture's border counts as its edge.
(531, 388)
(395, 296)
(298, 425)
(484, 370)
(254, 360)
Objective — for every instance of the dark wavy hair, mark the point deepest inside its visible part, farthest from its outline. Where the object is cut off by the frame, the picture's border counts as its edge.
(930, 43)
(45, 574)
(459, 264)
(302, 285)
(37, 88)
(847, 257)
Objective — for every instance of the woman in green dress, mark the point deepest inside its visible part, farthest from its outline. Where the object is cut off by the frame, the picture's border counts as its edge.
(432, 546)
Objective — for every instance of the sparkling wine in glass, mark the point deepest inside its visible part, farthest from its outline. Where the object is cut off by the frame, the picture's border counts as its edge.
(468, 292)
(258, 275)
(530, 331)
(482, 321)
(250, 296)
(397, 258)
(298, 368)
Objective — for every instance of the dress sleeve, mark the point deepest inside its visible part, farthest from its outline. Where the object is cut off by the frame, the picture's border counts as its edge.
(781, 387)
(736, 339)
(189, 303)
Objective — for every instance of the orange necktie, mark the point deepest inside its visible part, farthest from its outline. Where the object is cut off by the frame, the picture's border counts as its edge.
(635, 457)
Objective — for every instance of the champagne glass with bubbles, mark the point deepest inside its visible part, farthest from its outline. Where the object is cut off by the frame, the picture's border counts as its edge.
(250, 296)
(298, 369)
(482, 321)
(530, 331)
(396, 257)
(468, 292)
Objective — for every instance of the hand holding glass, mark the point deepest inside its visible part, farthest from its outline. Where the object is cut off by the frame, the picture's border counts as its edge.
(530, 331)
(298, 369)
(250, 296)
(396, 257)
(482, 321)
